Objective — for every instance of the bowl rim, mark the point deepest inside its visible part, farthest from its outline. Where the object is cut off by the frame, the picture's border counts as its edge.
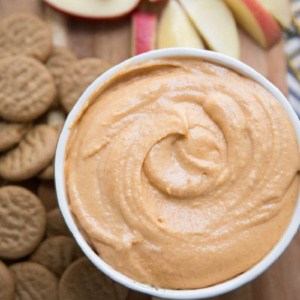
(201, 293)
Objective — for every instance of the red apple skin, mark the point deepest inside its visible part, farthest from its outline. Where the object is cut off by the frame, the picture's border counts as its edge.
(269, 26)
(143, 31)
(92, 18)
(267, 23)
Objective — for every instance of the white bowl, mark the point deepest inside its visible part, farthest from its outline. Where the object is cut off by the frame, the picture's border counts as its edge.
(210, 291)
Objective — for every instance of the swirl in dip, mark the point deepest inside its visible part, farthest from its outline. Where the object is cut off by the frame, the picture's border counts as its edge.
(182, 173)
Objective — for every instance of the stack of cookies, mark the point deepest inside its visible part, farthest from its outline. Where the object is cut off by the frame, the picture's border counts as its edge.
(39, 85)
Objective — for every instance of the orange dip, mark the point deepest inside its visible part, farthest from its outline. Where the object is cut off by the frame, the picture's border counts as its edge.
(182, 173)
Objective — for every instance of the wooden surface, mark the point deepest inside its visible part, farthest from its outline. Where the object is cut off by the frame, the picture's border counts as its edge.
(111, 41)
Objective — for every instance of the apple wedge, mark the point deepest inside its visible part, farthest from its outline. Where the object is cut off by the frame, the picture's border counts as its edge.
(94, 9)
(280, 10)
(143, 32)
(215, 23)
(256, 21)
(175, 29)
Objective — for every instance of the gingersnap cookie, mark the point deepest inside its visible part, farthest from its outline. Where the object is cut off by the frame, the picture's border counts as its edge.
(82, 280)
(11, 134)
(48, 172)
(25, 34)
(56, 224)
(57, 253)
(34, 282)
(77, 77)
(7, 285)
(59, 59)
(22, 222)
(27, 88)
(47, 193)
(32, 155)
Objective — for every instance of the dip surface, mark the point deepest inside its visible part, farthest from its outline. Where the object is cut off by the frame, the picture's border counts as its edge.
(182, 173)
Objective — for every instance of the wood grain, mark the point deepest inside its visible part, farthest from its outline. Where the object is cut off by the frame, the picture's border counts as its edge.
(111, 41)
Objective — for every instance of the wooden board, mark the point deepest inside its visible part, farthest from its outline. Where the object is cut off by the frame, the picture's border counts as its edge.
(111, 41)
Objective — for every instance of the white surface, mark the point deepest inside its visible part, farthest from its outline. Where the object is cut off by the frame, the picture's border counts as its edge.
(98, 262)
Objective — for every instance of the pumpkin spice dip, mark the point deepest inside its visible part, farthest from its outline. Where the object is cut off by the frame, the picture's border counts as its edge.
(182, 173)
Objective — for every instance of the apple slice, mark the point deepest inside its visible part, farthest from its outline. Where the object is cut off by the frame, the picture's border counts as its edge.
(94, 9)
(143, 32)
(280, 10)
(215, 24)
(256, 21)
(176, 30)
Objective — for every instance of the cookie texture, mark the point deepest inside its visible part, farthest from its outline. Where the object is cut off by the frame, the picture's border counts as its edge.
(82, 280)
(7, 285)
(31, 156)
(77, 77)
(57, 253)
(25, 34)
(34, 282)
(48, 173)
(26, 88)
(46, 192)
(11, 134)
(59, 59)
(22, 222)
(56, 224)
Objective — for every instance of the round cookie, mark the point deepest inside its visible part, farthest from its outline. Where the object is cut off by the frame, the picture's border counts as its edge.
(22, 222)
(7, 285)
(31, 156)
(57, 62)
(27, 88)
(77, 77)
(25, 34)
(57, 253)
(11, 134)
(56, 224)
(46, 192)
(34, 282)
(48, 173)
(82, 280)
